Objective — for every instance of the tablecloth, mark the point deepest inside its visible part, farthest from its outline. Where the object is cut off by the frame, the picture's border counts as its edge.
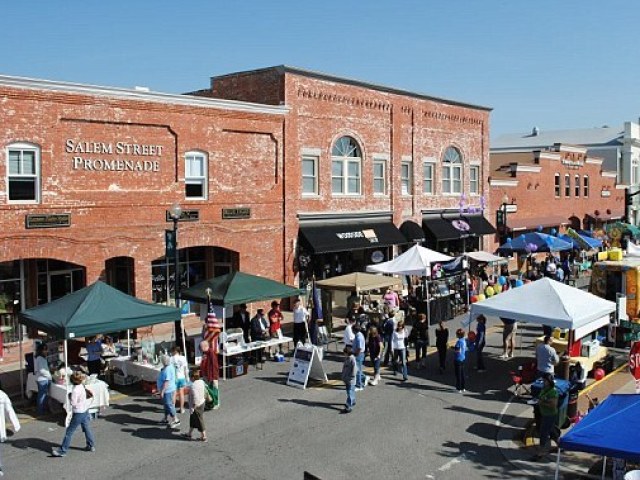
(59, 393)
(145, 371)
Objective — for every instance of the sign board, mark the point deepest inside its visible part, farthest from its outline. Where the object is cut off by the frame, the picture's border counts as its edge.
(306, 364)
(48, 221)
(621, 308)
(185, 216)
(634, 360)
(235, 213)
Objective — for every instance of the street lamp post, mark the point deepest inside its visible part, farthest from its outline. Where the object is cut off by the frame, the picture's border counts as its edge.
(175, 212)
(502, 223)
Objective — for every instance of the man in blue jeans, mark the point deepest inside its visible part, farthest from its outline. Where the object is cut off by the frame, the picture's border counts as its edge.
(358, 352)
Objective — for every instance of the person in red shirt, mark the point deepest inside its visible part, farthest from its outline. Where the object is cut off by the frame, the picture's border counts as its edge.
(275, 321)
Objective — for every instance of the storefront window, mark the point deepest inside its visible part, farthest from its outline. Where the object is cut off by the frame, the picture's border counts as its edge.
(57, 279)
(192, 269)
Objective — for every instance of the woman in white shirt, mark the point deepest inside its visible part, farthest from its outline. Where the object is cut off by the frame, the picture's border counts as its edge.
(43, 376)
(348, 335)
(400, 349)
(80, 416)
(182, 374)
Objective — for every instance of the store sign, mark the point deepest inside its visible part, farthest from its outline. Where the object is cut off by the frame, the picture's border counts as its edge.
(369, 234)
(572, 163)
(185, 216)
(460, 225)
(48, 221)
(235, 213)
(113, 156)
(377, 256)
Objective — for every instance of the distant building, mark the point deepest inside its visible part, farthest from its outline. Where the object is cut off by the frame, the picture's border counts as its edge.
(619, 148)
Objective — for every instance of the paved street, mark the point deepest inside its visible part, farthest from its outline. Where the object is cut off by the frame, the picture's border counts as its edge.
(267, 430)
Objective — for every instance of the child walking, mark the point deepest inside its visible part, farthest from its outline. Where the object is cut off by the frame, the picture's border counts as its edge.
(349, 378)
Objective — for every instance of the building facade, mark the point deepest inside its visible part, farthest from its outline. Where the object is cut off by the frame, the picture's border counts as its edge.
(555, 188)
(280, 172)
(618, 147)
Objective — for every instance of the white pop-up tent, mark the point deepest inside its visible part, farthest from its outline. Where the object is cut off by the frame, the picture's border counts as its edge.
(414, 261)
(552, 303)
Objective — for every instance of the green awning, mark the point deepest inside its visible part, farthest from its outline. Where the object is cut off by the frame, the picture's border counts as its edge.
(236, 288)
(96, 309)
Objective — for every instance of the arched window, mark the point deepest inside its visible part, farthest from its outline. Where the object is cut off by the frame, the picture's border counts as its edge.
(23, 173)
(195, 175)
(452, 171)
(346, 160)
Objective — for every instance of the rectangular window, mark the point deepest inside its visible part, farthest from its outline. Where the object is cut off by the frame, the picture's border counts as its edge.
(576, 185)
(345, 177)
(427, 178)
(557, 185)
(309, 175)
(451, 178)
(586, 185)
(567, 186)
(195, 176)
(474, 180)
(379, 177)
(405, 178)
(457, 179)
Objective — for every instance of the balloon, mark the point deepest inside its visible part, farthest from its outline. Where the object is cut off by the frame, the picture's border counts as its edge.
(509, 240)
(519, 282)
(488, 292)
(481, 297)
(598, 374)
(539, 228)
(474, 298)
(502, 280)
(472, 336)
(553, 232)
(497, 289)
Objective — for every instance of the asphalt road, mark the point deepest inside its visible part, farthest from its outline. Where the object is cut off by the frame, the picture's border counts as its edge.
(421, 429)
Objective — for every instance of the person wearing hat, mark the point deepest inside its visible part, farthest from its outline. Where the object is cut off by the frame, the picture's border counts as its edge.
(79, 397)
(548, 405)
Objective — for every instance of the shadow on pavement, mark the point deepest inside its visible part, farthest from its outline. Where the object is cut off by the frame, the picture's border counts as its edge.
(156, 433)
(308, 403)
(34, 443)
(125, 419)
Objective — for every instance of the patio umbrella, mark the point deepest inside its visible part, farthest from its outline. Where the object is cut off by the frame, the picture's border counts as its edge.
(534, 242)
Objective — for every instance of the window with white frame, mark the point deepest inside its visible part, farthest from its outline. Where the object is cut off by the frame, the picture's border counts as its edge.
(452, 171)
(346, 160)
(585, 184)
(427, 178)
(23, 173)
(567, 186)
(557, 185)
(576, 185)
(405, 178)
(309, 175)
(474, 179)
(195, 176)
(379, 176)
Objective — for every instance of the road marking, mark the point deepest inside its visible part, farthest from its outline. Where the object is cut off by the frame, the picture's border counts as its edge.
(504, 410)
(454, 461)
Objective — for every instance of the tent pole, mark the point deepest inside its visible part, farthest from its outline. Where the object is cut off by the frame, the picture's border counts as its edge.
(224, 340)
(21, 364)
(66, 383)
(128, 343)
(557, 465)
(604, 466)
(184, 340)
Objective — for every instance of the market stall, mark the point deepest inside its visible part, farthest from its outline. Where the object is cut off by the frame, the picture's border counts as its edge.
(95, 309)
(59, 392)
(236, 288)
(416, 261)
(547, 302)
(611, 430)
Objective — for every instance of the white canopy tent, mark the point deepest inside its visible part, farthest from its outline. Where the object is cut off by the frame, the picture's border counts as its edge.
(552, 303)
(486, 257)
(414, 261)
(633, 250)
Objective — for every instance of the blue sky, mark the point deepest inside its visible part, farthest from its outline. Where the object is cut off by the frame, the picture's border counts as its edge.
(553, 64)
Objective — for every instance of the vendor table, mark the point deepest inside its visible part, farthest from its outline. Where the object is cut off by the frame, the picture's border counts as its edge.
(560, 346)
(59, 392)
(144, 371)
(231, 351)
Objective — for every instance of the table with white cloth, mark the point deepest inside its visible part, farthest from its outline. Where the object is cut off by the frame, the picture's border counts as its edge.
(255, 347)
(59, 392)
(131, 368)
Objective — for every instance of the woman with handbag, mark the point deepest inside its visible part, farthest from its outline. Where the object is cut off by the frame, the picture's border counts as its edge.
(79, 397)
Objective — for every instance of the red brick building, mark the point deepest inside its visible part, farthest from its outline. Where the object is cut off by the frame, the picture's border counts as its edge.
(268, 165)
(555, 188)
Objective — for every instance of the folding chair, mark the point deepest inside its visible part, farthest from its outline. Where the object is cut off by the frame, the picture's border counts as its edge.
(523, 378)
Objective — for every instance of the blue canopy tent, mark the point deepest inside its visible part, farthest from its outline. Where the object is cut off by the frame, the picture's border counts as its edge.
(593, 243)
(601, 431)
(533, 242)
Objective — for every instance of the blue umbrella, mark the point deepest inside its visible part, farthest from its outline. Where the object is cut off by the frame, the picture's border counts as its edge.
(535, 242)
(593, 243)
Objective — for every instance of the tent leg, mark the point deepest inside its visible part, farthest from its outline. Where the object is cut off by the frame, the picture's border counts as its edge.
(224, 357)
(557, 465)
(128, 343)
(184, 340)
(66, 362)
(21, 364)
(604, 466)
